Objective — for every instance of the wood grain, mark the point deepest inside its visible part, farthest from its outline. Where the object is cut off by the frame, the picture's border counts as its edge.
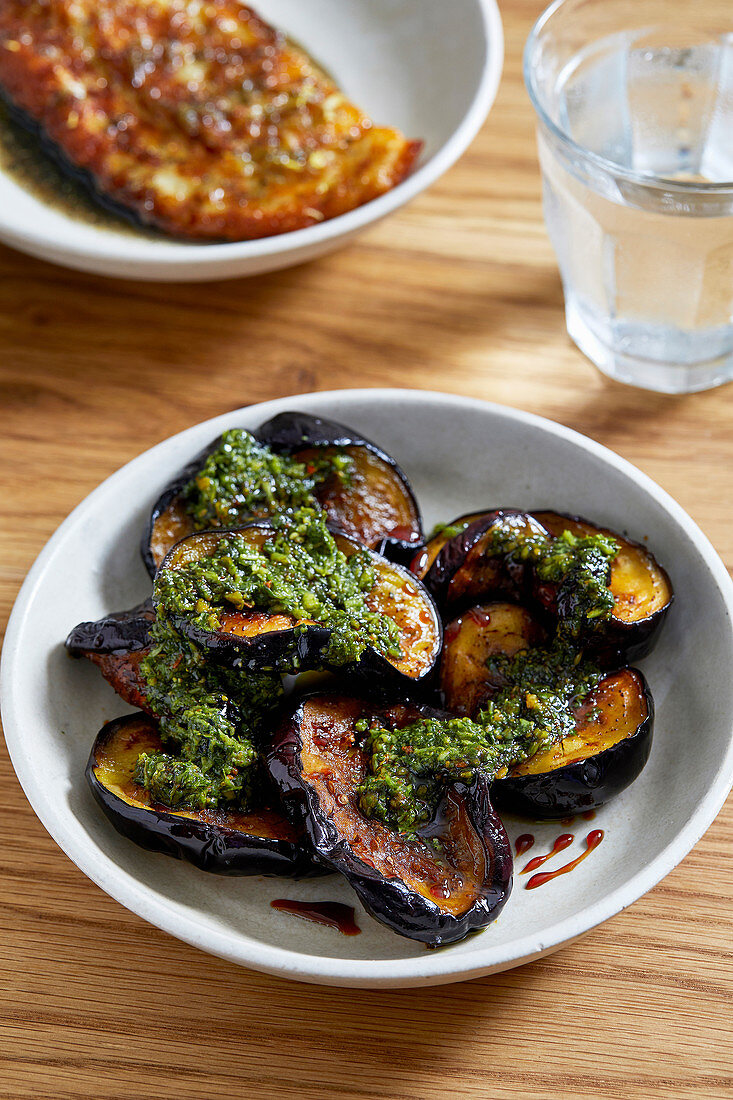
(459, 293)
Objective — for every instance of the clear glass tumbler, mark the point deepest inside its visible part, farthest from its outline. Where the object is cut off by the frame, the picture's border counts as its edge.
(634, 100)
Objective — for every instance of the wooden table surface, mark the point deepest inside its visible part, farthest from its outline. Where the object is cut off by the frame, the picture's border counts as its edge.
(460, 293)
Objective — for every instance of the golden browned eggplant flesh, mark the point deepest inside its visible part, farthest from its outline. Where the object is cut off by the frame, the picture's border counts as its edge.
(199, 119)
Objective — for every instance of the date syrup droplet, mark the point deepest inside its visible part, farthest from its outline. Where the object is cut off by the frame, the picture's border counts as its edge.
(331, 913)
(592, 841)
(588, 815)
(563, 841)
(523, 843)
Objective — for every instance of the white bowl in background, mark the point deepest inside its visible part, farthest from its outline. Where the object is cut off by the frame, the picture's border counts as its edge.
(462, 455)
(429, 68)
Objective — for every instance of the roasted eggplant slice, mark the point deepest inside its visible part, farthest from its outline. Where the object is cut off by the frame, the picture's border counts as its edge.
(463, 573)
(641, 589)
(426, 555)
(435, 888)
(201, 120)
(118, 644)
(606, 753)
(254, 639)
(375, 505)
(122, 671)
(458, 570)
(471, 640)
(262, 842)
(118, 632)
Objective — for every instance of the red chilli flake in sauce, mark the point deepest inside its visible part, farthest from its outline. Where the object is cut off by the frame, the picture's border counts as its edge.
(330, 913)
(592, 841)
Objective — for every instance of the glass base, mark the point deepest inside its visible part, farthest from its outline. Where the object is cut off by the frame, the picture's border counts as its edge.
(634, 370)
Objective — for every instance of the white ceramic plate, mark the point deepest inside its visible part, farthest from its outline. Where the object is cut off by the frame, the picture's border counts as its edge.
(429, 68)
(461, 455)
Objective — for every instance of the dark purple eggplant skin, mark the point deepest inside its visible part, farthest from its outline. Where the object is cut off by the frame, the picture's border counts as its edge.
(390, 900)
(294, 431)
(214, 848)
(118, 632)
(81, 176)
(511, 580)
(304, 647)
(166, 498)
(616, 642)
(585, 785)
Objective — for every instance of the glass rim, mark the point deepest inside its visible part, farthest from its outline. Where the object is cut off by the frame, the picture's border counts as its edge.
(641, 179)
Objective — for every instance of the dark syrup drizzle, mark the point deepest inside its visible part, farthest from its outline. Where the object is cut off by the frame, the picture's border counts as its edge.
(563, 841)
(523, 843)
(331, 913)
(592, 841)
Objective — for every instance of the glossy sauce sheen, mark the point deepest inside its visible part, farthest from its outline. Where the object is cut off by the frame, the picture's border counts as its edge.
(592, 841)
(452, 877)
(563, 841)
(331, 913)
(23, 160)
(523, 843)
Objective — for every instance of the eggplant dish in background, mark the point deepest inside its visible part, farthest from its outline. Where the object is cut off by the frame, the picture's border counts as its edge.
(204, 122)
(492, 674)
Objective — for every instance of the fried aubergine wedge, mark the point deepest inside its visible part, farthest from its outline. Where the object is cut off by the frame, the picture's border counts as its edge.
(451, 878)
(227, 842)
(603, 753)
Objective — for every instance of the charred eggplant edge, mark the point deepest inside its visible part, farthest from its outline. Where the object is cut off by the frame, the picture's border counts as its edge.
(220, 850)
(119, 632)
(390, 900)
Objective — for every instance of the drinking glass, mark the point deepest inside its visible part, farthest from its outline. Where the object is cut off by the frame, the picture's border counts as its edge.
(634, 100)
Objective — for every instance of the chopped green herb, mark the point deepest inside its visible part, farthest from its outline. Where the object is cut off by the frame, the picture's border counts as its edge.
(211, 717)
(299, 571)
(409, 767)
(579, 566)
(244, 478)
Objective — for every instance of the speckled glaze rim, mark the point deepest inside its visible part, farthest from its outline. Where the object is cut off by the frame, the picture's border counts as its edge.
(167, 255)
(434, 968)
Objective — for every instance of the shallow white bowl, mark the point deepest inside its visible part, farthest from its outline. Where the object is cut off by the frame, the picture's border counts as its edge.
(429, 68)
(461, 455)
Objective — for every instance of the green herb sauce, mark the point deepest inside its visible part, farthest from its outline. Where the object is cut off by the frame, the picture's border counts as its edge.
(212, 717)
(298, 571)
(578, 566)
(244, 478)
(409, 767)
